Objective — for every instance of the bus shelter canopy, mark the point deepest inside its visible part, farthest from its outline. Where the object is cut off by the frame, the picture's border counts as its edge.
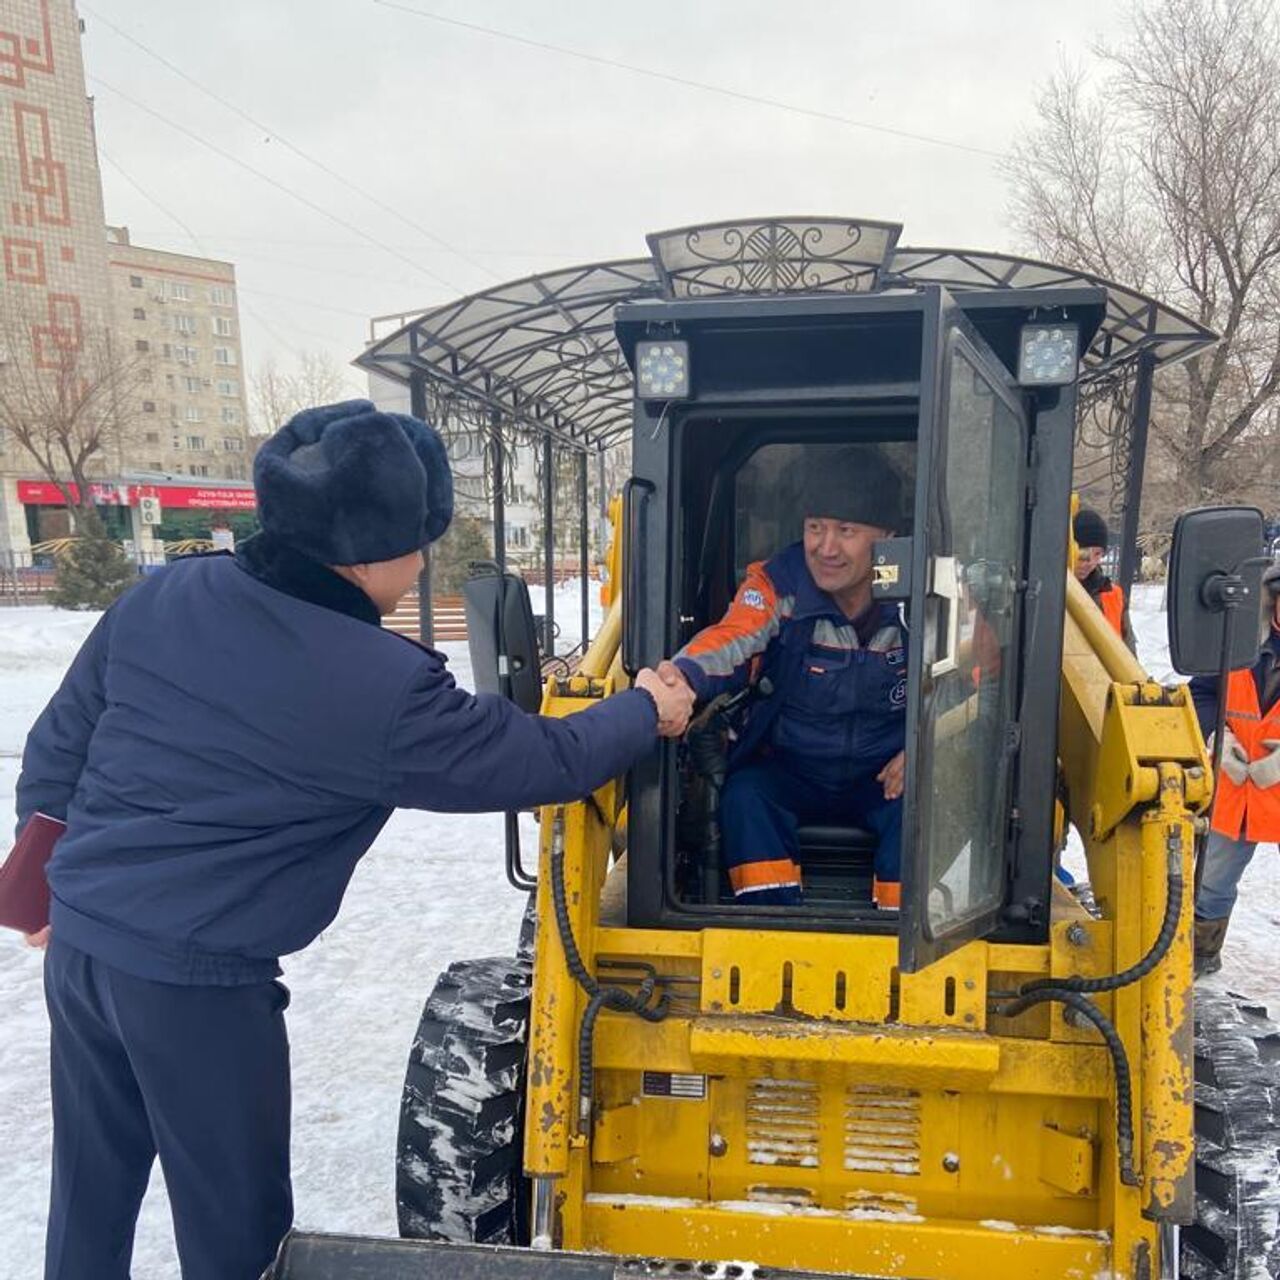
(540, 352)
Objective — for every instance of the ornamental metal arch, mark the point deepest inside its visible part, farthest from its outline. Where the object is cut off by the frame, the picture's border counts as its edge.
(539, 353)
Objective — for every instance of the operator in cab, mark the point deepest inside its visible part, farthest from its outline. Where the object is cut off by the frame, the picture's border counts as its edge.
(827, 742)
(1092, 537)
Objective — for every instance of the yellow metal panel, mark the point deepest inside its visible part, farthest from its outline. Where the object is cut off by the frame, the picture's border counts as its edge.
(951, 992)
(617, 1133)
(874, 1242)
(811, 974)
(825, 1051)
(1067, 1160)
(649, 943)
(1165, 1085)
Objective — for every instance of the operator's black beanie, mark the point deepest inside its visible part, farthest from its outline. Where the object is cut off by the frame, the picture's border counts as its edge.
(346, 484)
(854, 484)
(1090, 529)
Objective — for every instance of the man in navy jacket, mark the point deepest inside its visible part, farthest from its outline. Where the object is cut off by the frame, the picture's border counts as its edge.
(225, 747)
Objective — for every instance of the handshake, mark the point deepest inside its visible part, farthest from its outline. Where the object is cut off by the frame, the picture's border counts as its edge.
(672, 694)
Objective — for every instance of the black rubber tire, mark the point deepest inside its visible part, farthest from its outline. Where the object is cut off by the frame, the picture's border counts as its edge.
(458, 1151)
(1237, 1228)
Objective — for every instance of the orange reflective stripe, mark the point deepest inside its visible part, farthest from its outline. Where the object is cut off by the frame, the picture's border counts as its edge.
(780, 873)
(748, 625)
(886, 893)
(1111, 602)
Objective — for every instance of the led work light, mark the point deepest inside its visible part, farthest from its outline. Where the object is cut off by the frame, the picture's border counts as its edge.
(1047, 354)
(662, 370)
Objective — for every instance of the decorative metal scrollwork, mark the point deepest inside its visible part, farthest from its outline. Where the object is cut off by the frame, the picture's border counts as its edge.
(775, 257)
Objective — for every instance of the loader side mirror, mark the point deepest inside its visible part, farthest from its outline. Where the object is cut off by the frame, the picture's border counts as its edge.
(502, 636)
(1215, 589)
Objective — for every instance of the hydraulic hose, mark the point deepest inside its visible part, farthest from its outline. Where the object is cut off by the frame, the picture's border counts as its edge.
(1119, 1059)
(1159, 948)
(600, 997)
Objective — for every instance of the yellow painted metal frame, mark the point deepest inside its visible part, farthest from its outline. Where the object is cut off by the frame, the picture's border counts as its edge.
(996, 1154)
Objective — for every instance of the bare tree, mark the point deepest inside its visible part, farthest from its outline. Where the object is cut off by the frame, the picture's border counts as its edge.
(277, 396)
(1164, 173)
(66, 400)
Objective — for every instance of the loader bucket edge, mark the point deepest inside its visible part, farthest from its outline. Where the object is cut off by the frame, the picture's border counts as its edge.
(305, 1256)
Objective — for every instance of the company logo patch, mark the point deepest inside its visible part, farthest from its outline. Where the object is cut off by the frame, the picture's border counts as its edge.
(896, 657)
(898, 694)
(753, 597)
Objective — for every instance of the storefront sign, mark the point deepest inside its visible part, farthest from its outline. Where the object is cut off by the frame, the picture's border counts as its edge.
(43, 493)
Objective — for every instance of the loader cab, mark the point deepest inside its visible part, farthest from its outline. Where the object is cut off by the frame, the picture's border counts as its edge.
(736, 399)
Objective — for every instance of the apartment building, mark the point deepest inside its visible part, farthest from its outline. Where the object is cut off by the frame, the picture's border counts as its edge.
(178, 315)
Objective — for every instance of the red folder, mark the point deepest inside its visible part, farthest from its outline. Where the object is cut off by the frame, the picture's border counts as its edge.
(24, 891)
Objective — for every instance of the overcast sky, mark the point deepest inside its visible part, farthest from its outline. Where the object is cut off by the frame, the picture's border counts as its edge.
(493, 159)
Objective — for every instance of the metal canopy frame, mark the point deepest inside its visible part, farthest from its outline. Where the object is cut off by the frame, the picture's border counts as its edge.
(540, 353)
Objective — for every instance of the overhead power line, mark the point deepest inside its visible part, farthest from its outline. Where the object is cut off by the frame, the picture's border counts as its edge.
(724, 91)
(337, 176)
(279, 186)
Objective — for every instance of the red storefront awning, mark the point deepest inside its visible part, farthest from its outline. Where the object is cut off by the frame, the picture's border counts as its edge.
(44, 493)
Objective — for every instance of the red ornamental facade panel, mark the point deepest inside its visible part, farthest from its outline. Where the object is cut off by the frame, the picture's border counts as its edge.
(48, 225)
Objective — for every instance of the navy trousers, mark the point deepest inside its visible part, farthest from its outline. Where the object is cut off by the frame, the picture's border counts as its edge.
(198, 1075)
(764, 803)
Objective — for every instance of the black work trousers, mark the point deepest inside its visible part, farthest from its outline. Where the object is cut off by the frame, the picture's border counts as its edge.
(196, 1074)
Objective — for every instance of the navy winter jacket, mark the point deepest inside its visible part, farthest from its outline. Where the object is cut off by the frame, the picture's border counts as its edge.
(229, 742)
(839, 689)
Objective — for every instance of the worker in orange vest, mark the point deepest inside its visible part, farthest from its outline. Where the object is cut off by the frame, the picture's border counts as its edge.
(1246, 806)
(1091, 545)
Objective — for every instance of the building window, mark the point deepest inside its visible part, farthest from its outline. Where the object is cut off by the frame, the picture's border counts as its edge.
(191, 384)
(180, 323)
(228, 387)
(139, 313)
(177, 442)
(153, 437)
(221, 296)
(149, 406)
(232, 444)
(222, 327)
(141, 344)
(186, 355)
(195, 442)
(154, 466)
(166, 351)
(193, 414)
(235, 470)
(201, 470)
(224, 355)
(177, 468)
(230, 415)
(135, 282)
(169, 380)
(179, 292)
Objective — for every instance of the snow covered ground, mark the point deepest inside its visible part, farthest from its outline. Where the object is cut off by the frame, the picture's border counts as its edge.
(431, 891)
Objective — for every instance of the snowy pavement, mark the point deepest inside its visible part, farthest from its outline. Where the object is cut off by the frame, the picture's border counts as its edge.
(431, 891)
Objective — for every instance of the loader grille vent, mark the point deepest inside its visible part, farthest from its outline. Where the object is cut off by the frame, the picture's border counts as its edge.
(782, 1123)
(881, 1130)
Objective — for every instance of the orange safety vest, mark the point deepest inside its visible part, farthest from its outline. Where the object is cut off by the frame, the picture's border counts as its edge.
(1241, 810)
(1111, 602)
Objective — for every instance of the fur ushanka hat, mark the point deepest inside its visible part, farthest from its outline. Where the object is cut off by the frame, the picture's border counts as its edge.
(346, 484)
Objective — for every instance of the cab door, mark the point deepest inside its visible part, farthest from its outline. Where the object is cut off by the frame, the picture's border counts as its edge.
(971, 504)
